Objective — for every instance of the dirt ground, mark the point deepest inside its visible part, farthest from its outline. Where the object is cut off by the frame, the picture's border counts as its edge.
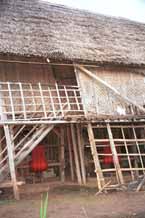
(74, 202)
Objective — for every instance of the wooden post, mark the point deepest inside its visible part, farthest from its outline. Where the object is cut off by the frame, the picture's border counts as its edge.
(9, 150)
(98, 171)
(114, 153)
(1, 137)
(11, 161)
(80, 148)
(70, 153)
(62, 158)
(138, 149)
(78, 173)
(127, 152)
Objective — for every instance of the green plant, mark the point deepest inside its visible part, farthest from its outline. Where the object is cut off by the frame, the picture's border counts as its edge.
(44, 205)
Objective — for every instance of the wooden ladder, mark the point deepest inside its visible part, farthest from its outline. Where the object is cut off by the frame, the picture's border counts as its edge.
(98, 170)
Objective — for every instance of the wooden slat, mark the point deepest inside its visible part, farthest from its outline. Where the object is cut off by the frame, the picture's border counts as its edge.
(42, 100)
(11, 100)
(59, 99)
(11, 162)
(70, 153)
(80, 148)
(128, 155)
(67, 98)
(23, 101)
(62, 157)
(115, 156)
(98, 170)
(138, 149)
(78, 173)
(33, 97)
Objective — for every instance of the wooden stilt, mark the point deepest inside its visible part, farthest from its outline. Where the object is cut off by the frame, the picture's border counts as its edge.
(114, 153)
(1, 136)
(78, 173)
(80, 148)
(11, 161)
(98, 171)
(62, 158)
(70, 153)
(138, 149)
(127, 152)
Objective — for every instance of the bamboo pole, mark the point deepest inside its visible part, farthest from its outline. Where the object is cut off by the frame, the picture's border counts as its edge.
(114, 153)
(78, 173)
(80, 148)
(70, 153)
(127, 152)
(98, 171)
(62, 157)
(11, 161)
(138, 149)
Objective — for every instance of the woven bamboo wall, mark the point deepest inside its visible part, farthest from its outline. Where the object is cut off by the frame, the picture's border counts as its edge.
(100, 100)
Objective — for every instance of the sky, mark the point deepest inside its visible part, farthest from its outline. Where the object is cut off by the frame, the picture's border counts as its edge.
(132, 9)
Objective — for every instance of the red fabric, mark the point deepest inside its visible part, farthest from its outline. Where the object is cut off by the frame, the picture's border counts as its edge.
(108, 159)
(38, 163)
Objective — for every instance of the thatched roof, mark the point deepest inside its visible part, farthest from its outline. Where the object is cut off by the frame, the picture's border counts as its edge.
(38, 28)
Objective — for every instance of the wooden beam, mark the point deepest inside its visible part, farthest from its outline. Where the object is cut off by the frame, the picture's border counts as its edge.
(1, 140)
(98, 171)
(138, 149)
(114, 153)
(105, 84)
(62, 157)
(127, 153)
(57, 132)
(10, 184)
(11, 161)
(78, 173)
(70, 153)
(80, 149)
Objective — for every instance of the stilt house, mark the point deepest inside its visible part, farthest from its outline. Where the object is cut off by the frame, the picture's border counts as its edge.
(73, 83)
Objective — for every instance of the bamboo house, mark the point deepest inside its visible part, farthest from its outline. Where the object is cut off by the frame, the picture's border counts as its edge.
(72, 96)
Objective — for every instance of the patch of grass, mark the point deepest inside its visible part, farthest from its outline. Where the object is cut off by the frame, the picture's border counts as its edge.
(44, 206)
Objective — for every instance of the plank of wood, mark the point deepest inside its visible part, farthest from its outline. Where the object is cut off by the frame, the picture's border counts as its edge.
(78, 173)
(98, 171)
(138, 149)
(70, 153)
(10, 184)
(114, 153)
(42, 100)
(80, 148)
(23, 101)
(127, 153)
(11, 162)
(62, 157)
(11, 100)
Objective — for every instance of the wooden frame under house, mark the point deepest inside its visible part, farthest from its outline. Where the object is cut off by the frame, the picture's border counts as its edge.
(72, 96)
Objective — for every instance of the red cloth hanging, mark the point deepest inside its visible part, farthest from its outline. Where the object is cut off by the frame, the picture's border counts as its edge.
(109, 158)
(38, 163)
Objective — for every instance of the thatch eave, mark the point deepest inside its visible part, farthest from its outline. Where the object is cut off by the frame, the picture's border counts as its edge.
(39, 29)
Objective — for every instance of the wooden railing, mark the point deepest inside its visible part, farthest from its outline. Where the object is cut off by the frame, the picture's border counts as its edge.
(27, 101)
